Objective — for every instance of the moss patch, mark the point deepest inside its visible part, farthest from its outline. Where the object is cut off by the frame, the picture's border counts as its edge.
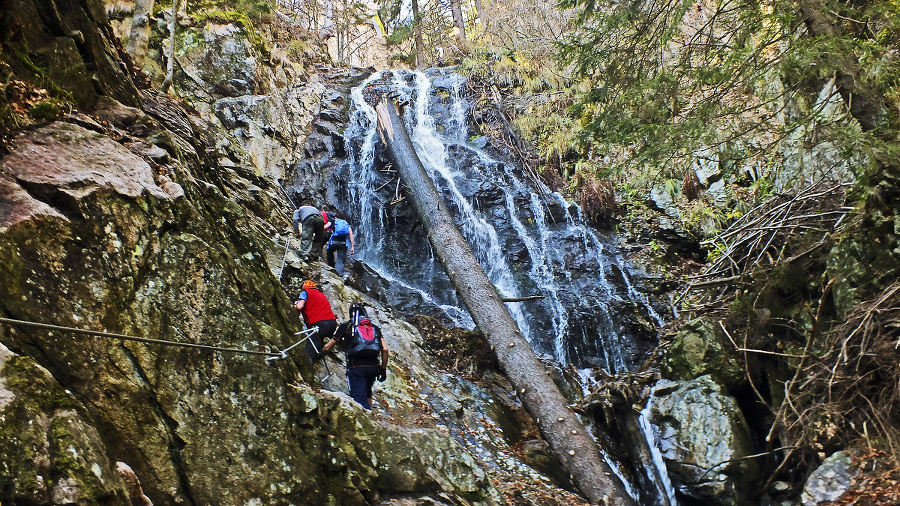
(36, 389)
(48, 454)
(237, 18)
(698, 349)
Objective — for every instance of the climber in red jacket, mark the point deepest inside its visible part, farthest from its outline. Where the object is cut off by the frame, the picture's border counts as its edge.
(316, 311)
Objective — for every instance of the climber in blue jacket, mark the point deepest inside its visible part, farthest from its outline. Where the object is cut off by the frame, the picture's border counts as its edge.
(341, 238)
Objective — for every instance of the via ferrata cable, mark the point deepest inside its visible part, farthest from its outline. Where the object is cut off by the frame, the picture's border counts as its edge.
(287, 243)
(10, 321)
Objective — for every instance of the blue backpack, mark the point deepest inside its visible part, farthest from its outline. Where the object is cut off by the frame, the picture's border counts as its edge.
(341, 228)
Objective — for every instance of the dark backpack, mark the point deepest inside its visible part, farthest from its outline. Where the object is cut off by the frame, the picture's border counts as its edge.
(364, 338)
(341, 228)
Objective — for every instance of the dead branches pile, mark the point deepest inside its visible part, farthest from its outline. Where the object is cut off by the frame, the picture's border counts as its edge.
(846, 386)
(765, 236)
(606, 391)
(462, 352)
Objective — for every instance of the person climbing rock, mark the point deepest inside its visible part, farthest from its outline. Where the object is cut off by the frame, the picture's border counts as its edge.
(367, 354)
(309, 226)
(328, 218)
(316, 311)
(341, 238)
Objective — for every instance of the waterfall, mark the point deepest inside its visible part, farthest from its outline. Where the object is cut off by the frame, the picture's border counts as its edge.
(528, 239)
(657, 468)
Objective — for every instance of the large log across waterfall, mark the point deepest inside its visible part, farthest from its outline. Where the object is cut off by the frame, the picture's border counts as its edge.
(567, 436)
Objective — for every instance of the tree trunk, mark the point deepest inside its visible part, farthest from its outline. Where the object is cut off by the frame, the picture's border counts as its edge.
(862, 96)
(328, 29)
(139, 37)
(458, 19)
(417, 28)
(573, 445)
(173, 26)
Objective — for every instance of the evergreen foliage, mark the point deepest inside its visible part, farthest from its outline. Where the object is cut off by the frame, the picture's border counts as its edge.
(670, 76)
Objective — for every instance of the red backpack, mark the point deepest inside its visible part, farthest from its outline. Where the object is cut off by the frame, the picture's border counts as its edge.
(364, 340)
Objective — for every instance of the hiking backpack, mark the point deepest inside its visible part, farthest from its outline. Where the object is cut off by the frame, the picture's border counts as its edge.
(364, 339)
(341, 228)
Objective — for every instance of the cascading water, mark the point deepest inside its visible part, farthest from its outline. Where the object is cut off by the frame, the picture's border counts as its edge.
(529, 241)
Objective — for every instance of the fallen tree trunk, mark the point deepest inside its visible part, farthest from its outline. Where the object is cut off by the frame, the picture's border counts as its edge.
(573, 445)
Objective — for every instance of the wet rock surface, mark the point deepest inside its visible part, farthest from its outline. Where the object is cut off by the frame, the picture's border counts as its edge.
(588, 299)
(704, 438)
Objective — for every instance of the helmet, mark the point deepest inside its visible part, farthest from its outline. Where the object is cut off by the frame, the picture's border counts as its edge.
(308, 284)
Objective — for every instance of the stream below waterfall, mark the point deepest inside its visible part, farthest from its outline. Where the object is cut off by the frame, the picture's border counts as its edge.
(529, 240)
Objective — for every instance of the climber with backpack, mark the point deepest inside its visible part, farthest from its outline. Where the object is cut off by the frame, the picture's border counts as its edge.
(341, 237)
(309, 226)
(367, 354)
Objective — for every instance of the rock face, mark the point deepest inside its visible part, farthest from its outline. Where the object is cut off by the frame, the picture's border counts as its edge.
(95, 237)
(52, 453)
(700, 348)
(218, 60)
(703, 438)
(806, 157)
(267, 109)
(270, 128)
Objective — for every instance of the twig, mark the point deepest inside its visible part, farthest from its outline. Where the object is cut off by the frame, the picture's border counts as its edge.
(738, 459)
(716, 282)
(752, 350)
(385, 184)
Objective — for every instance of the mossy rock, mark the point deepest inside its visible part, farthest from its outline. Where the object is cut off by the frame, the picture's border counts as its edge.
(865, 260)
(701, 348)
(63, 47)
(238, 19)
(49, 452)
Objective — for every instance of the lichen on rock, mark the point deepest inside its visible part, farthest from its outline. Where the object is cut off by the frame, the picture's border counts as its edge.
(700, 347)
(49, 449)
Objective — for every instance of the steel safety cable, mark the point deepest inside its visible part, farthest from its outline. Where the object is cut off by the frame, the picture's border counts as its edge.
(74, 330)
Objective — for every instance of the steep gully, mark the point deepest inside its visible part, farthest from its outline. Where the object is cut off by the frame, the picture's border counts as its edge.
(529, 240)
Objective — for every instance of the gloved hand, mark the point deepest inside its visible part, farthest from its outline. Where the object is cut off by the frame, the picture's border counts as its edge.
(382, 374)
